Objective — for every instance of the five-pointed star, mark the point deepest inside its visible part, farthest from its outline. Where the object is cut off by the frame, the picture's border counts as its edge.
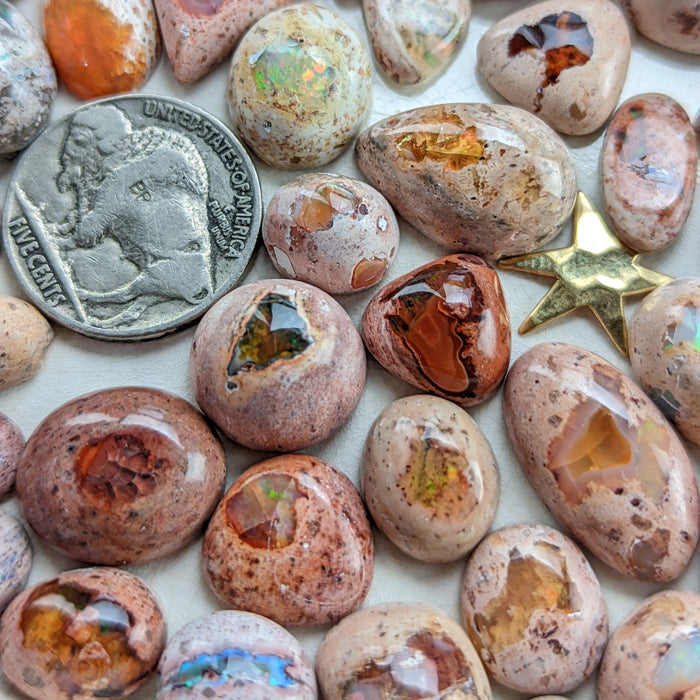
(595, 271)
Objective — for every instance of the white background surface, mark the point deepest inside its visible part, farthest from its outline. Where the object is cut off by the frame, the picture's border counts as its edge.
(75, 365)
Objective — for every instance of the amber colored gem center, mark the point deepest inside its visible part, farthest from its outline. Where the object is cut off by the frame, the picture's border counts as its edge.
(565, 40)
(89, 48)
(453, 144)
(435, 476)
(117, 469)
(316, 210)
(531, 586)
(427, 666)
(82, 640)
(263, 512)
(275, 331)
(368, 272)
(431, 318)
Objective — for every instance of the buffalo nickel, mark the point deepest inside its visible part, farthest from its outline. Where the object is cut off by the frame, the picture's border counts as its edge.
(131, 216)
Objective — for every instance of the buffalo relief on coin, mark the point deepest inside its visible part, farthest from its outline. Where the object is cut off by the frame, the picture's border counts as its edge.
(131, 216)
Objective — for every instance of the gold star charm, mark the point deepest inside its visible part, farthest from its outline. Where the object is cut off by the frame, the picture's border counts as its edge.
(595, 271)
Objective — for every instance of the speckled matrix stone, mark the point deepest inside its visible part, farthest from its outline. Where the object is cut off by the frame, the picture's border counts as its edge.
(603, 459)
(567, 64)
(291, 541)
(27, 81)
(11, 446)
(15, 558)
(122, 475)
(199, 34)
(89, 633)
(102, 47)
(299, 86)
(672, 23)
(443, 328)
(486, 179)
(414, 41)
(649, 167)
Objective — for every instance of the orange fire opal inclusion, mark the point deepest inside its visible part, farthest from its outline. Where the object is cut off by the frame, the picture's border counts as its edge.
(88, 46)
(83, 640)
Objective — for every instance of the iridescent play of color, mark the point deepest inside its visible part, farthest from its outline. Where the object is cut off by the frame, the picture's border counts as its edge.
(123, 58)
(414, 41)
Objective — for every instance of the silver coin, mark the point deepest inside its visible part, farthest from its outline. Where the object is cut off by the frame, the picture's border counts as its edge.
(131, 216)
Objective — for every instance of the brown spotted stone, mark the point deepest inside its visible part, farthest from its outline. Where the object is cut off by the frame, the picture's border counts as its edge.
(671, 23)
(444, 328)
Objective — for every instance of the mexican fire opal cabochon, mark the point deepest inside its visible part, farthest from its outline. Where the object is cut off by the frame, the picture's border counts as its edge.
(492, 180)
(89, 633)
(123, 475)
(603, 459)
(277, 365)
(291, 541)
(443, 328)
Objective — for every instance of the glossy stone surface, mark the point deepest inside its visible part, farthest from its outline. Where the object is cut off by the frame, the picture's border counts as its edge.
(232, 653)
(674, 23)
(15, 558)
(200, 34)
(401, 650)
(648, 167)
(24, 336)
(429, 478)
(443, 328)
(486, 179)
(291, 541)
(277, 365)
(11, 446)
(415, 41)
(566, 65)
(534, 609)
(299, 87)
(603, 459)
(121, 60)
(89, 633)
(664, 334)
(123, 475)
(655, 651)
(27, 81)
(332, 231)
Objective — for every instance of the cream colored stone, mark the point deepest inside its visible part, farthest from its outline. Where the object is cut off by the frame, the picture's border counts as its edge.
(671, 23)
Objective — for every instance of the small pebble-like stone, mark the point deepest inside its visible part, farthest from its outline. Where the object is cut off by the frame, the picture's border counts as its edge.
(664, 337)
(102, 47)
(400, 650)
(199, 34)
(24, 336)
(291, 541)
(649, 166)
(15, 558)
(567, 64)
(27, 81)
(232, 653)
(299, 86)
(655, 651)
(672, 23)
(278, 365)
(430, 478)
(89, 633)
(492, 180)
(11, 446)
(332, 231)
(443, 328)
(534, 609)
(123, 475)
(603, 459)
(415, 41)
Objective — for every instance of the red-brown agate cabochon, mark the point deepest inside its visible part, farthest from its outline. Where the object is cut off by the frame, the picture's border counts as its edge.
(291, 541)
(443, 328)
(603, 459)
(122, 475)
(89, 633)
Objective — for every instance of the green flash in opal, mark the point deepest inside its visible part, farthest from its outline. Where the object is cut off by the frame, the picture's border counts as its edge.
(293, 72)
(678, 669)
(687, 330)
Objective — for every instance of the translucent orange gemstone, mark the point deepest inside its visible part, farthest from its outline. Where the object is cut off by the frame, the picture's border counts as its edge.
(368, 272)
(95, 54)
